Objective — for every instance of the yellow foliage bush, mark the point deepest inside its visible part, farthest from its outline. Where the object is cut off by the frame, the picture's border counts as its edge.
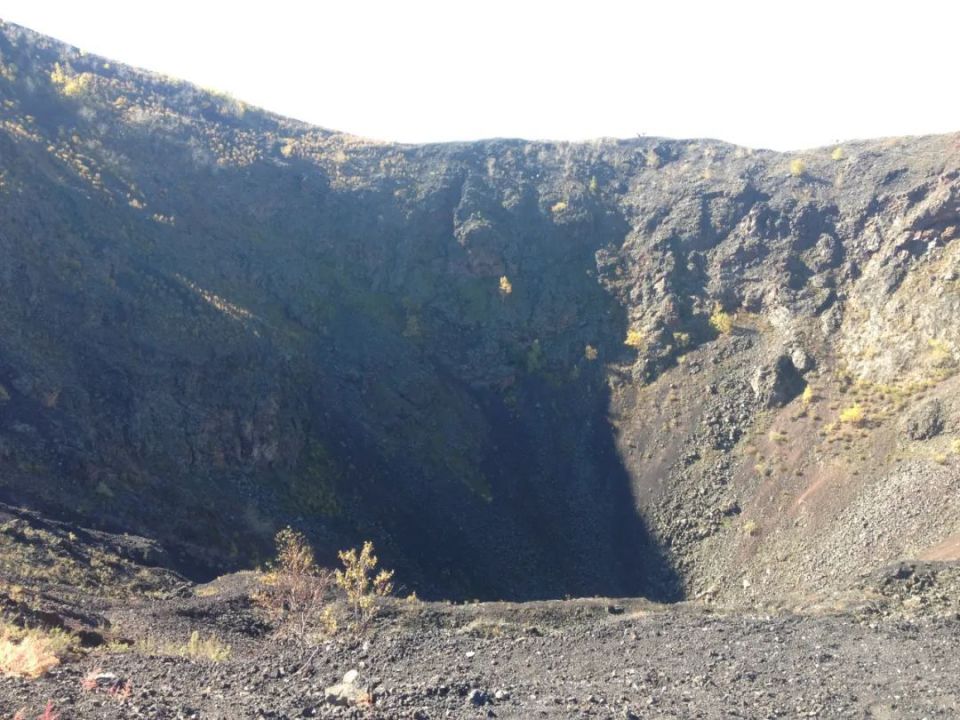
(634, 339)
(363, 588)
(853, 415)
(506, 287)
(940, 354)
(721, 321)
(69, 83)
(31, 653)
(797, 167)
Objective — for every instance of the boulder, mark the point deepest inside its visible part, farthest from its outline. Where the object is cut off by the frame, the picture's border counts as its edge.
(925, 422)
(801, 360)
(347, 692)
(777, 383)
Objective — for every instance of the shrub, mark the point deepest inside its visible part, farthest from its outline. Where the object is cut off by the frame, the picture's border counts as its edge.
(853, 415)
(506, 287)
(634, 339)
(32, 653)
(721, 321)
(940, 354)
(558, 207)
(590, 353)
(534, 358)
(413, 328)
(295, 590)
(807, 396)
(798, 167)
(364, 589)
(837, 153)
(69, 83)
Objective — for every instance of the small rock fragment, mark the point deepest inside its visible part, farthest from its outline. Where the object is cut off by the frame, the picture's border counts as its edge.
(478, 697)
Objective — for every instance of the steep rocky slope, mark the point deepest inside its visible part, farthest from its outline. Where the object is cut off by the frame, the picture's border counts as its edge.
(642, 367)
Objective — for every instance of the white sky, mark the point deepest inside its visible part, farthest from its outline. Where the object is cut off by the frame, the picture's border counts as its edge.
(782, 74)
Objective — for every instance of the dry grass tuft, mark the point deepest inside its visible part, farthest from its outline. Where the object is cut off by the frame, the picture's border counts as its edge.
(30, 653)
(209, 649)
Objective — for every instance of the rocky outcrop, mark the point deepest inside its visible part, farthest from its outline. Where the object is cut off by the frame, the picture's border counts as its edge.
(925, 422)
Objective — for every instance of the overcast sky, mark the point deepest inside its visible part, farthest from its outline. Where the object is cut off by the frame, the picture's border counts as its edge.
(776, 73)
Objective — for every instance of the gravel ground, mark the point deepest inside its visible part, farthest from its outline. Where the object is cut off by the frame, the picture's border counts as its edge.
(558, 659)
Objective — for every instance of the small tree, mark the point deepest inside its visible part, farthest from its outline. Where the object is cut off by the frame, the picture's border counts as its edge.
(295, 590)
(363, 588)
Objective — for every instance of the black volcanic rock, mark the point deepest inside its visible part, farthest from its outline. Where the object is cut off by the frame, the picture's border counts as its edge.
(491, 358)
